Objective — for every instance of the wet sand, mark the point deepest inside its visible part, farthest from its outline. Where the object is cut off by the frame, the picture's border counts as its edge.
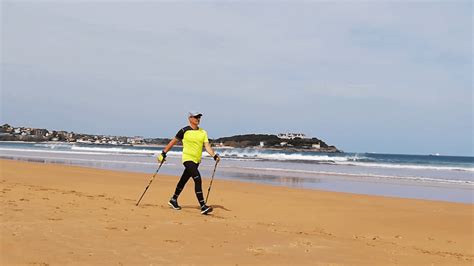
(58, 214)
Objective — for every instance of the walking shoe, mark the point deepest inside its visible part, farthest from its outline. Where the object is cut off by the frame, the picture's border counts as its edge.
(174, 204)
(206, 209)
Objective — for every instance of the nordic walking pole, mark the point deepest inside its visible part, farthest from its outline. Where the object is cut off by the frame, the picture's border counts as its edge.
(151, 180)
(212, 178)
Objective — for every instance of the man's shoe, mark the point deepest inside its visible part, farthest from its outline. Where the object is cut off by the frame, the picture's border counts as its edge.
(206, 209)
(174, 204)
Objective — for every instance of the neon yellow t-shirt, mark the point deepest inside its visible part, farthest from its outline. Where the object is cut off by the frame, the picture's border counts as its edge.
(193, 141)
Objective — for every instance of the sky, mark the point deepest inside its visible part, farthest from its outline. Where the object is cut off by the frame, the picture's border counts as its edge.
(365, 76)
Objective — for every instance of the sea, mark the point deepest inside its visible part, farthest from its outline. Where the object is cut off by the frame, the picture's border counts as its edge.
(428, 177)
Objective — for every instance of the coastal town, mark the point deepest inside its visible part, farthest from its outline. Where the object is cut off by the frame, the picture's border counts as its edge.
(287, 141)
(10, 133)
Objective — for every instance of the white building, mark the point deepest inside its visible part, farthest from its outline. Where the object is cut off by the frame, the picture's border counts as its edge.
(135, 140)
(316, 146)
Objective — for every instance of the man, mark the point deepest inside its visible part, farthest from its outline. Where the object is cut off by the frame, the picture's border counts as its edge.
(193, 139)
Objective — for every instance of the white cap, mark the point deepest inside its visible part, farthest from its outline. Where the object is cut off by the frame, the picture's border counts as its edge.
(194, 114)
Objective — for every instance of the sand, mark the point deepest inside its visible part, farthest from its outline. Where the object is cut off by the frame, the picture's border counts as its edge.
(58, 214)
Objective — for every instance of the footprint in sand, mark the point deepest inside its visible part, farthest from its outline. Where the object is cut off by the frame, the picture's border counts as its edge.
(256, 251)
(152, 205)
(171, 241)
(40, 263)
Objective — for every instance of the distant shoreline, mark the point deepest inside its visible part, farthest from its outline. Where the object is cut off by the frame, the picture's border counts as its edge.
(287, 149)
(297, 142)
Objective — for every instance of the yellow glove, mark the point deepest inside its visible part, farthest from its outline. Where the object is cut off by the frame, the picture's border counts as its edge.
(162, 157)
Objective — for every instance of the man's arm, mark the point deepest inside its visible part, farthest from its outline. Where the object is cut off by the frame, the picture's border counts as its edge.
(170, 145)
(211, 151)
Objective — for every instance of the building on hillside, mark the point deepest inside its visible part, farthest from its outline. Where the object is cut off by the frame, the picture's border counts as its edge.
(316, 146)
(135, 140)
(39, 132)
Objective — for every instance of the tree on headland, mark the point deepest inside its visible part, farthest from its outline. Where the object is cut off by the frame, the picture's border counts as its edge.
(273, 141)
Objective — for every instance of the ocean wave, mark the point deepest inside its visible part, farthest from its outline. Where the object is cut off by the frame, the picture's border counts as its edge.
(115, 150)
(355, 160)
(54, 145)
(248, 154)
(280, 156)
(410, 166)
(253, 170)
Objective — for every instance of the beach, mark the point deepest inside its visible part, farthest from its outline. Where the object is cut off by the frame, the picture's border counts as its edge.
(56, 214)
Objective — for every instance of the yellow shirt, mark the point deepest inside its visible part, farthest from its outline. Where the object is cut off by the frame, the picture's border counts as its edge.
(193, 141)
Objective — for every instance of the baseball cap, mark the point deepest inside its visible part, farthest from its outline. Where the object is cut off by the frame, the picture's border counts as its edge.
(194, 114)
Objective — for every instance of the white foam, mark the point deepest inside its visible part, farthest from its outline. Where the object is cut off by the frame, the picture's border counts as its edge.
(284, 156)
(410, 166)
(343, 160)
(113, 150)
(53, 145)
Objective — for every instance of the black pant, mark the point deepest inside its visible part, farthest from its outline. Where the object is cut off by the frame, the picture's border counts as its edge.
(190, 170)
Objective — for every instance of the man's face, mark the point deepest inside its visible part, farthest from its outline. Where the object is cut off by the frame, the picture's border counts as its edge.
(195, 120)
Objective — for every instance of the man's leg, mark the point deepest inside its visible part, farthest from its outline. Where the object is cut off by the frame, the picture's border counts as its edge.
(179, 187)
(182, 182)
(193, 170)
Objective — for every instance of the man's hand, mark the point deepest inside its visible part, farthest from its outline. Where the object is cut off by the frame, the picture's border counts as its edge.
(217, 158)
(162, 157)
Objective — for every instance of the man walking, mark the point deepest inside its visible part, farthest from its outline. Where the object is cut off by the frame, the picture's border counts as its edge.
(193, 138)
